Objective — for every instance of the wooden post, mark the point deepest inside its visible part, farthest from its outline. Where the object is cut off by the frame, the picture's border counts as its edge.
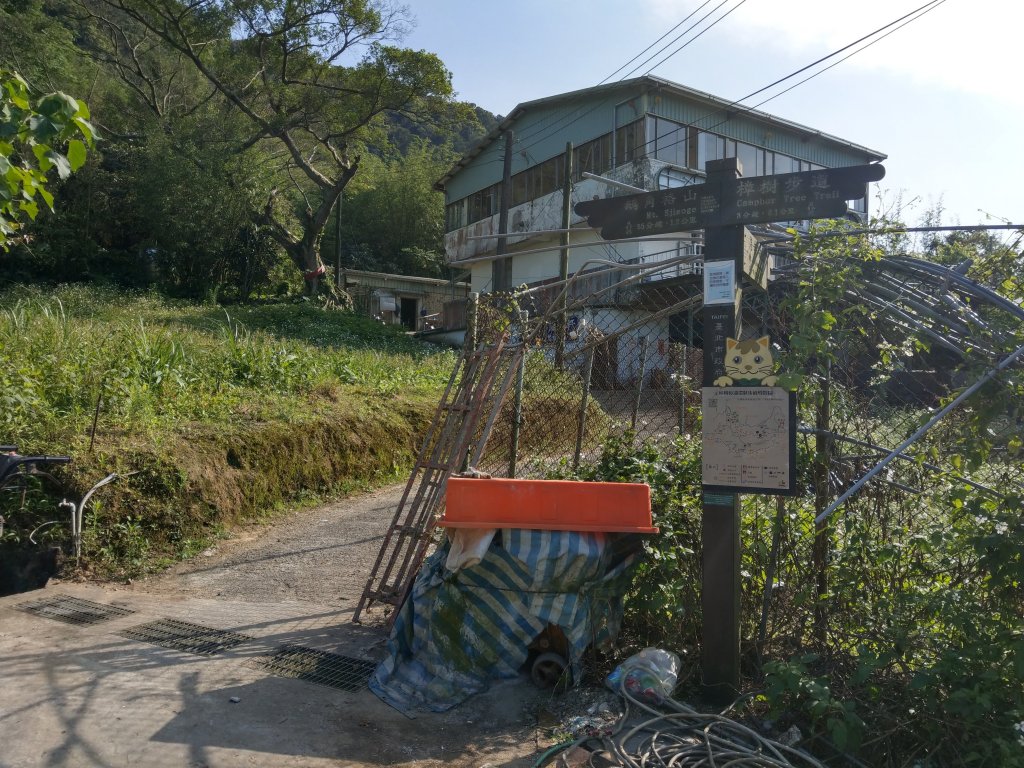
(720, 520)
(561, 321)
(581, 425)
(639, 382)
(517, 403)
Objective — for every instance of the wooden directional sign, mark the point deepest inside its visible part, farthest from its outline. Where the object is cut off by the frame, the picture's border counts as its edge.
(755, 200)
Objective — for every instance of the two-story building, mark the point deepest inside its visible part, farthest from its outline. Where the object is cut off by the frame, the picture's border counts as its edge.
(646, 133)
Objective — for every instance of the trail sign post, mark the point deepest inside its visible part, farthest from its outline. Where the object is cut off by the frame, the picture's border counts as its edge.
(721, 207)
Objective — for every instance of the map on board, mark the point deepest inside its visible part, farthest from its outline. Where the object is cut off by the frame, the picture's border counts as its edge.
(748, 439)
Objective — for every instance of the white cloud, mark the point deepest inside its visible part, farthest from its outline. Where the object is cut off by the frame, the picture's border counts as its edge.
(965, 46)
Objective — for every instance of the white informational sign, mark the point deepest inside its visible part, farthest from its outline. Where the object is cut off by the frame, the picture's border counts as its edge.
(748, 439)
(387, 303)
(719, 282)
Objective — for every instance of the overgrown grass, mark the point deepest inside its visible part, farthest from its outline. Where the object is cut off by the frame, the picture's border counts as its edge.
(220, 414)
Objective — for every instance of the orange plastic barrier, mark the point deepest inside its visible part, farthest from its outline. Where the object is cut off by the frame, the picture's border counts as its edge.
(553, 505)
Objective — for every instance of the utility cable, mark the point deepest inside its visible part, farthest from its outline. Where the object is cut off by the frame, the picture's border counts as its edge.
(686, 738)
(555, 123)
(683, 34)
(692, 39)
(645, 50)
(905, 19)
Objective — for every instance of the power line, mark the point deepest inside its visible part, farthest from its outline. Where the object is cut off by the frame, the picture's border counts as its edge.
(607, 101)
(906, 19)
(645, 50)
(935, 4)
(688, 42)
(682, 34)
(837, 52)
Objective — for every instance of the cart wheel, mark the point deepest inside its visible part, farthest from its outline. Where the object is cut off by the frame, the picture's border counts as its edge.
(550, 670)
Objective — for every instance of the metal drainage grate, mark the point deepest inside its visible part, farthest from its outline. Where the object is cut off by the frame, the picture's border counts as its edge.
(321, 667)
(73, 610)
(184, 636)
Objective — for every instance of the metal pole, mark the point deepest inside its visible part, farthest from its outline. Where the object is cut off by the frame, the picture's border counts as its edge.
(920, 433)
(581, 426)
(501, 269)
(640, 381)
(769, 577)
(517, 405)
(822, 462)
(472, 302)
(683, 387)
(563, 256)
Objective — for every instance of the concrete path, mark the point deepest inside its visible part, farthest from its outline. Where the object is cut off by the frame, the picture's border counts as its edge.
(84, 695)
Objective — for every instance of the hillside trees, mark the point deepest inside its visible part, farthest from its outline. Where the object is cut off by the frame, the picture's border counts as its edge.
(306, 82)
(396, 223)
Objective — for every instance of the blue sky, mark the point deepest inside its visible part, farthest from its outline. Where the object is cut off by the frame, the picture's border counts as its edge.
(942, 96)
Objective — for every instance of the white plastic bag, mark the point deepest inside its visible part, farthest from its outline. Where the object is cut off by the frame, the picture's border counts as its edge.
(650, 675)
(469, 545)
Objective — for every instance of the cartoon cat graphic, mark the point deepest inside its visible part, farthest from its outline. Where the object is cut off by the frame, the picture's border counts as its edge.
(748, 364)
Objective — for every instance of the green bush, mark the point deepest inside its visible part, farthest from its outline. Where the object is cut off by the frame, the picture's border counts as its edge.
(924, 652)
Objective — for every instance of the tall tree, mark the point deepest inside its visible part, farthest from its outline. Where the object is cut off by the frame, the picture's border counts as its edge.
(310, 79)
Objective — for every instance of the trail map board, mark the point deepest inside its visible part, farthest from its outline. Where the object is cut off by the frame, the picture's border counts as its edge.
(748, 440)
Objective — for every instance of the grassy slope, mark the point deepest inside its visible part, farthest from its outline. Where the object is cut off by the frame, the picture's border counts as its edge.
(222, 416)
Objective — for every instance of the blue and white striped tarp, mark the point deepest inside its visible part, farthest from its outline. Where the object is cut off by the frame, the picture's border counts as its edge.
(458, 631)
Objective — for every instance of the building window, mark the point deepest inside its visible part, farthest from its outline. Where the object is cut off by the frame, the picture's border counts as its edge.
(540, 180)
(455, 215)
(672, 178)
(682, 146)
(629, 143)
(672, 142)
(667, 141)
(593, 156)
(785, 164)
(484, 203)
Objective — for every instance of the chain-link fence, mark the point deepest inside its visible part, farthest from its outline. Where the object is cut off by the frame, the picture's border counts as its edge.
(607, 352)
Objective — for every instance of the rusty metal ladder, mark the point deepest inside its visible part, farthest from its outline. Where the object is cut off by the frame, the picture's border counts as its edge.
(447, 447)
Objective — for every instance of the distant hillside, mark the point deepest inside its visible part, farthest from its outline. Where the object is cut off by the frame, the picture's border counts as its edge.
(466, 125)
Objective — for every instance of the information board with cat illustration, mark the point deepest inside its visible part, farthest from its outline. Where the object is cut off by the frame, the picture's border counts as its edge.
(749, 424)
